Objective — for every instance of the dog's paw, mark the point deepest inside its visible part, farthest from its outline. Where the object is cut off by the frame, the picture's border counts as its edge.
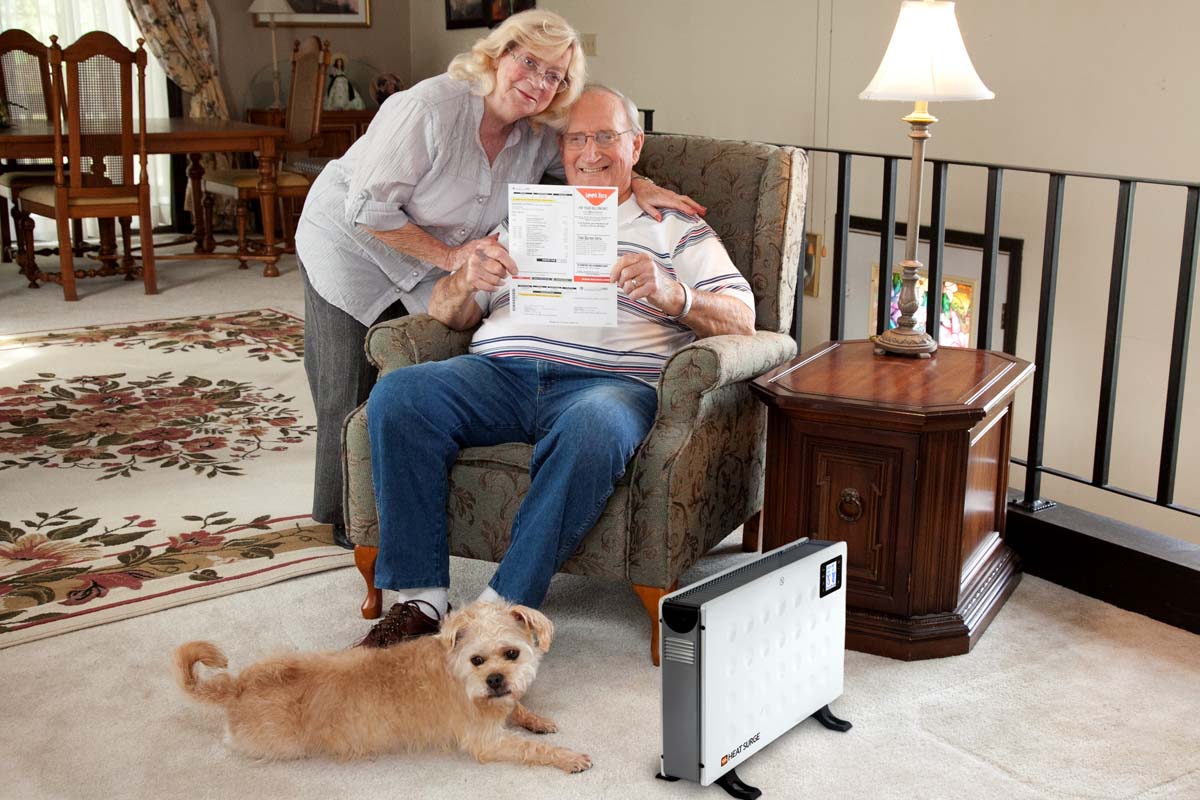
(536, 724)
(573, 762)
(522, 717)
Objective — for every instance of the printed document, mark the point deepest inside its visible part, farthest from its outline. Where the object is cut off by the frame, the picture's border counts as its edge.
(564, 242)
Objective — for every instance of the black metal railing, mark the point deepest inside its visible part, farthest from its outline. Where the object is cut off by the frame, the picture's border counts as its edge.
(1056, 187)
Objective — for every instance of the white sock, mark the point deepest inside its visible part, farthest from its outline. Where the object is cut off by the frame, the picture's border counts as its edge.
(436, 596)
(489, 595)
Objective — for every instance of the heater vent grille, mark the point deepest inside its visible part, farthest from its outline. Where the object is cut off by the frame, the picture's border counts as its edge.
(680, 650)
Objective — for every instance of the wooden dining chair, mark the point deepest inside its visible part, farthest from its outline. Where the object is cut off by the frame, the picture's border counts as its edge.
(310, 62)
(25, 88)
(94, 158)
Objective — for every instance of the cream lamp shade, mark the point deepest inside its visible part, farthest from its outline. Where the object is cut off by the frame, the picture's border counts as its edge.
(926, 59)
(269, 7)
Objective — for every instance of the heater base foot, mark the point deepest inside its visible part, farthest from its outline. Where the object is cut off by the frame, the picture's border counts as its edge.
(733, 785)
(824, 716)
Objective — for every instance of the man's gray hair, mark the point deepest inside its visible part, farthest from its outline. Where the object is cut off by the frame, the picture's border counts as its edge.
(631, 109)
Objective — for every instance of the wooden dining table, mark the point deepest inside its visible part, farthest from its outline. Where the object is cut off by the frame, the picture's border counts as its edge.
(177, 136)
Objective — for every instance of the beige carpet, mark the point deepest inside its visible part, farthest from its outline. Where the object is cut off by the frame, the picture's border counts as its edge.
(152, 463)
(1064, 697)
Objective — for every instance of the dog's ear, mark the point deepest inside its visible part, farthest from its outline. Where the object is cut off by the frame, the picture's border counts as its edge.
(537, 623)
(454, 627)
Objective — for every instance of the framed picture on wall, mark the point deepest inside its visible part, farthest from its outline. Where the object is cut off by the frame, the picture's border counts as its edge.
(323, 13)
(466, 14)
(500, 10)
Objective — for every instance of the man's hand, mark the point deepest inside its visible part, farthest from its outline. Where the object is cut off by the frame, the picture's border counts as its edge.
(638, 276)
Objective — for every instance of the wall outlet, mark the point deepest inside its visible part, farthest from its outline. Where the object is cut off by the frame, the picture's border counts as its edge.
(589, 43)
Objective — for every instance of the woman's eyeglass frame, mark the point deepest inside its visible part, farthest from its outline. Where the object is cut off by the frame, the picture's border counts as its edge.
(533, 69)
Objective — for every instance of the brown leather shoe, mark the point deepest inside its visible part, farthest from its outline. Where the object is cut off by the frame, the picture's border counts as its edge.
(403, 621)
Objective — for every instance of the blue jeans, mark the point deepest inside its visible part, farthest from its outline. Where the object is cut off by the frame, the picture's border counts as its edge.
(584, 425)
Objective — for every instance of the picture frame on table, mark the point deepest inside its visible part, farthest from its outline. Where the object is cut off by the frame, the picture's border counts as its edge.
(323, 14)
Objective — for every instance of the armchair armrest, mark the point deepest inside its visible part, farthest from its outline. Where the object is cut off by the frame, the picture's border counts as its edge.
(706, 365)
(414, 339)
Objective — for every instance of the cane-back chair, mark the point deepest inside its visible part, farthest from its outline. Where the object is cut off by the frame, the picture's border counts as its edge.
(310, 62)
(698, 475)
(25, 88)
(94, 158)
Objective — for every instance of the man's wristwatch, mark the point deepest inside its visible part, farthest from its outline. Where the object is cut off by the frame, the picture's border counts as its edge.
(687, 304)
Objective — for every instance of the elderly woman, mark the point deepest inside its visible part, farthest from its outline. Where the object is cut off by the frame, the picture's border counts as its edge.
(410, 200)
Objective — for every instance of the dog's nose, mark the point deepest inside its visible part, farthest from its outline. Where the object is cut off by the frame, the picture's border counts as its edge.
(495, 681)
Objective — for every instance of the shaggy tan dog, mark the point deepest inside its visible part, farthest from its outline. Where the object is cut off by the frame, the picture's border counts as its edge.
(455, 689)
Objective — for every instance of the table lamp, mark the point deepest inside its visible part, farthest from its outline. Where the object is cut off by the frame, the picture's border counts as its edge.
(925, 60)
(270, 8)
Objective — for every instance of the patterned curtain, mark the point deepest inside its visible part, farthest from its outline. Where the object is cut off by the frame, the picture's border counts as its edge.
(177, 32)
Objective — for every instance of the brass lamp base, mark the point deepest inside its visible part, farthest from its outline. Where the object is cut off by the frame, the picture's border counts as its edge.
(905, 339)
(904, 342)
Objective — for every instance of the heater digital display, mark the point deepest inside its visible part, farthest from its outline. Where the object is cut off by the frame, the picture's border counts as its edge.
(831, 576)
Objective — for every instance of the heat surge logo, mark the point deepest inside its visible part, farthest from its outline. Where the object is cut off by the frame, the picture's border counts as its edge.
(725, 759)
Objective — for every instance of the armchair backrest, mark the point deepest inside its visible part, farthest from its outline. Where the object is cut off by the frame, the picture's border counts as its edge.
(310, 62)
(100, 143)
(755, 194)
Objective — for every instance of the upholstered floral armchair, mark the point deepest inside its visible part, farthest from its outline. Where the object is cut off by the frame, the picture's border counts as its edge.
(699, 473)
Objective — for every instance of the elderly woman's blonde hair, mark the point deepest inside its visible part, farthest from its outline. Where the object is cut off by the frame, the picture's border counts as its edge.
(542, 33)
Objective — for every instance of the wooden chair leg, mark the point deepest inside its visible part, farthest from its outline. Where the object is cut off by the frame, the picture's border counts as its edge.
(364, 559)
(242, 213)
(25, 256)
(80, 244)
(752, 533)
(108, 245)
(127, 261)
(285, 221)
(6, 240)
(66, 258)
(146, 237)
(650, 595)
(209, 244)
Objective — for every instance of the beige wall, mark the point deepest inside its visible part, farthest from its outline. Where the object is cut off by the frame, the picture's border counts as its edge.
(246, 49)
(1082, 85)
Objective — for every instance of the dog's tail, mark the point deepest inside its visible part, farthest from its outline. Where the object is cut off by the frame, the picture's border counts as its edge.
(218, 688)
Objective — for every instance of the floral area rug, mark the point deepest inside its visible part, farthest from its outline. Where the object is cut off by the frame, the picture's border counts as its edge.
(152, 464)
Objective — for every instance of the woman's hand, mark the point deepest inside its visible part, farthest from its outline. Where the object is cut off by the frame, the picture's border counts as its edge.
(639, 277)
(652, 197)
(459, 257)
(486, 266)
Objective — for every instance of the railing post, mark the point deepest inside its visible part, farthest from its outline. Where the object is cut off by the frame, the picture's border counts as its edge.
(1041, 379)
(798, 307)
(991, 249)
(1112, 333)
(887, 246)
(937, 249)
(1179, 349)
(841, 238)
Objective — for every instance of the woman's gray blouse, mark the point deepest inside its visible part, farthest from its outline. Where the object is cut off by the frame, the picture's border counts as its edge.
(420, 161)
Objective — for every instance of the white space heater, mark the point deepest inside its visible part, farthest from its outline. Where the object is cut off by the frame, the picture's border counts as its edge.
(748, 653)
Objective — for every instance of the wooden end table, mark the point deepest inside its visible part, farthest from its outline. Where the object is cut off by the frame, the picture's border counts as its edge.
(906, 460)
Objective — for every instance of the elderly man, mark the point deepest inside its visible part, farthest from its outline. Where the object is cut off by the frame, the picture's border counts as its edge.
(584, 397)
